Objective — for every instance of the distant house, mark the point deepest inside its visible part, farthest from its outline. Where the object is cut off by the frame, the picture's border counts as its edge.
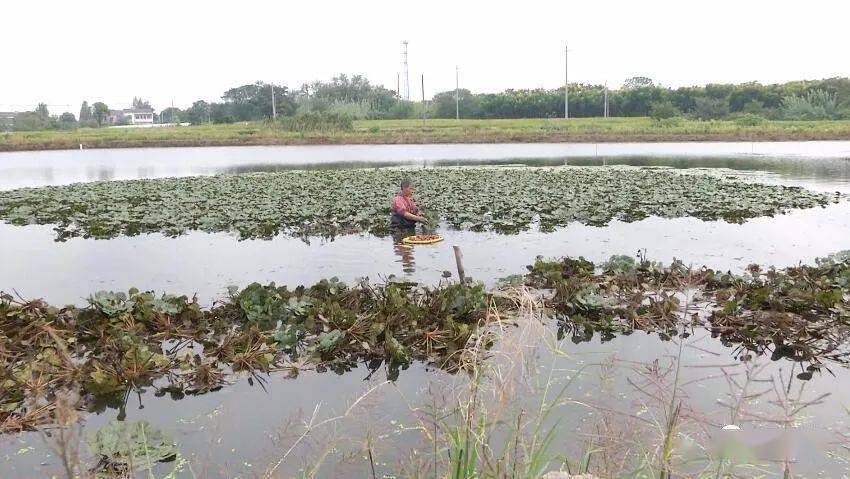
(130, 116)
(7, 119)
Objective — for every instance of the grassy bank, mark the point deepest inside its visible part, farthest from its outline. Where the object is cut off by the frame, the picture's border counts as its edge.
(434, 131)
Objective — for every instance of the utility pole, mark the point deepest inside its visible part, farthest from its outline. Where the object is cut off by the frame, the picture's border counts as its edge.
(606, 100)
(398, 85)
(423, 99)
(457, 94)
(274, 108)
(566, 81)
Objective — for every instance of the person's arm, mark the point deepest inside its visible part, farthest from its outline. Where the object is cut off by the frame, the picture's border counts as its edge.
(413, 217)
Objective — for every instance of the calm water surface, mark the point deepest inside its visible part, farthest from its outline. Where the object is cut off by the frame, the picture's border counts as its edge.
(241, 429)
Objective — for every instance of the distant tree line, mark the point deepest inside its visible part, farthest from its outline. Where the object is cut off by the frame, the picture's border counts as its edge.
(356, 98)
(639, 96)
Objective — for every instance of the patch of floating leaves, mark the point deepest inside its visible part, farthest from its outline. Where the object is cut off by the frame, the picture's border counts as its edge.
(800, 313)
(123, 342)
(331, 202)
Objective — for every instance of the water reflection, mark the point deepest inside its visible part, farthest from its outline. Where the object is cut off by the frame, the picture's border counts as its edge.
(21, 169)
(403, 251)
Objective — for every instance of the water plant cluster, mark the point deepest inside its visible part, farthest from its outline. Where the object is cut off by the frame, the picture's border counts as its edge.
(330, 202)
(123, 342)
(801, 313)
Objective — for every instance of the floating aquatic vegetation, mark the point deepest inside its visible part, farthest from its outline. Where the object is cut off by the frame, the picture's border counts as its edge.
(126, 341)
(122, 446)
(801, 313)
(123, 342)
(330, 202)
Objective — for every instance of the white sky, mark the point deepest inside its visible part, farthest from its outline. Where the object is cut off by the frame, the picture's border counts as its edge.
(63, 52)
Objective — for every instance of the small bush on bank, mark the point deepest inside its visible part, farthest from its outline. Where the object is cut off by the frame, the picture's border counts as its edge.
(315, 121)
(749, 119)
(710, 108)
(663, 109)
(669, 122)
(816, 105)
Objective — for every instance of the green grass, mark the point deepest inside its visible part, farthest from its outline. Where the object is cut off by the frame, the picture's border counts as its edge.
(435, 131)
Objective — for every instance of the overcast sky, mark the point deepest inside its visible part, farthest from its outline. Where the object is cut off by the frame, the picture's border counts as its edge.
(63, 52)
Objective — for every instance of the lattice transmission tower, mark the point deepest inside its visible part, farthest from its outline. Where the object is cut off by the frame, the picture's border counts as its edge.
(406, 73)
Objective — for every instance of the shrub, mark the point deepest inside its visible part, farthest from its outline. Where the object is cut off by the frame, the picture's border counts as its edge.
(816, 105)
(749, 119)
(663, 109)
(670, 122)
(401, 111)
(315, 121)
(710, 108)
(374, 129)
(755, 107)
(353, 110)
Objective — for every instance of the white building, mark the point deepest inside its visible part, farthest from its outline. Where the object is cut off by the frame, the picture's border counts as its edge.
(131, 116)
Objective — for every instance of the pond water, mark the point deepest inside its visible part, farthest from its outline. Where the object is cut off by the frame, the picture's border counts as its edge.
(242, 429)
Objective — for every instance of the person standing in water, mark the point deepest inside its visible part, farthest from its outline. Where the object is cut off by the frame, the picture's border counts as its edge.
(405, 212)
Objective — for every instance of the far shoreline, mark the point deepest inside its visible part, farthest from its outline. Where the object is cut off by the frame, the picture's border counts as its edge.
(412, 132)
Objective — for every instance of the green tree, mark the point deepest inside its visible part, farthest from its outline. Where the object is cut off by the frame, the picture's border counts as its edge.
(198, 113)
(31, 121)
(711, 108)
(41, 110)
(636, 101)
(85, 112)
(100, 112)
(638, 82)
(443, 104)
(660, 110)
(139, 103)
(816, 105)
(66, 121)
(254, 101)
(171, 115)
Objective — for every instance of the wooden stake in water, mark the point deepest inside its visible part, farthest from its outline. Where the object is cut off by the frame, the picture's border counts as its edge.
(459, 264)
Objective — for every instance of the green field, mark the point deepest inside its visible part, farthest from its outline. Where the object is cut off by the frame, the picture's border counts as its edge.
(435, 131)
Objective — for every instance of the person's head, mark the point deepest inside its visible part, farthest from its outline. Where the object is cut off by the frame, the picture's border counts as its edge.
(406, 189)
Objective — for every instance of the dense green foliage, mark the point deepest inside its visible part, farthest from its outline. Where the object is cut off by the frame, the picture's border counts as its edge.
(354, 96)
(329, 202)
(324, 122)
(800, 313)
(830, 99)
(121, 342)
(124, 342)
